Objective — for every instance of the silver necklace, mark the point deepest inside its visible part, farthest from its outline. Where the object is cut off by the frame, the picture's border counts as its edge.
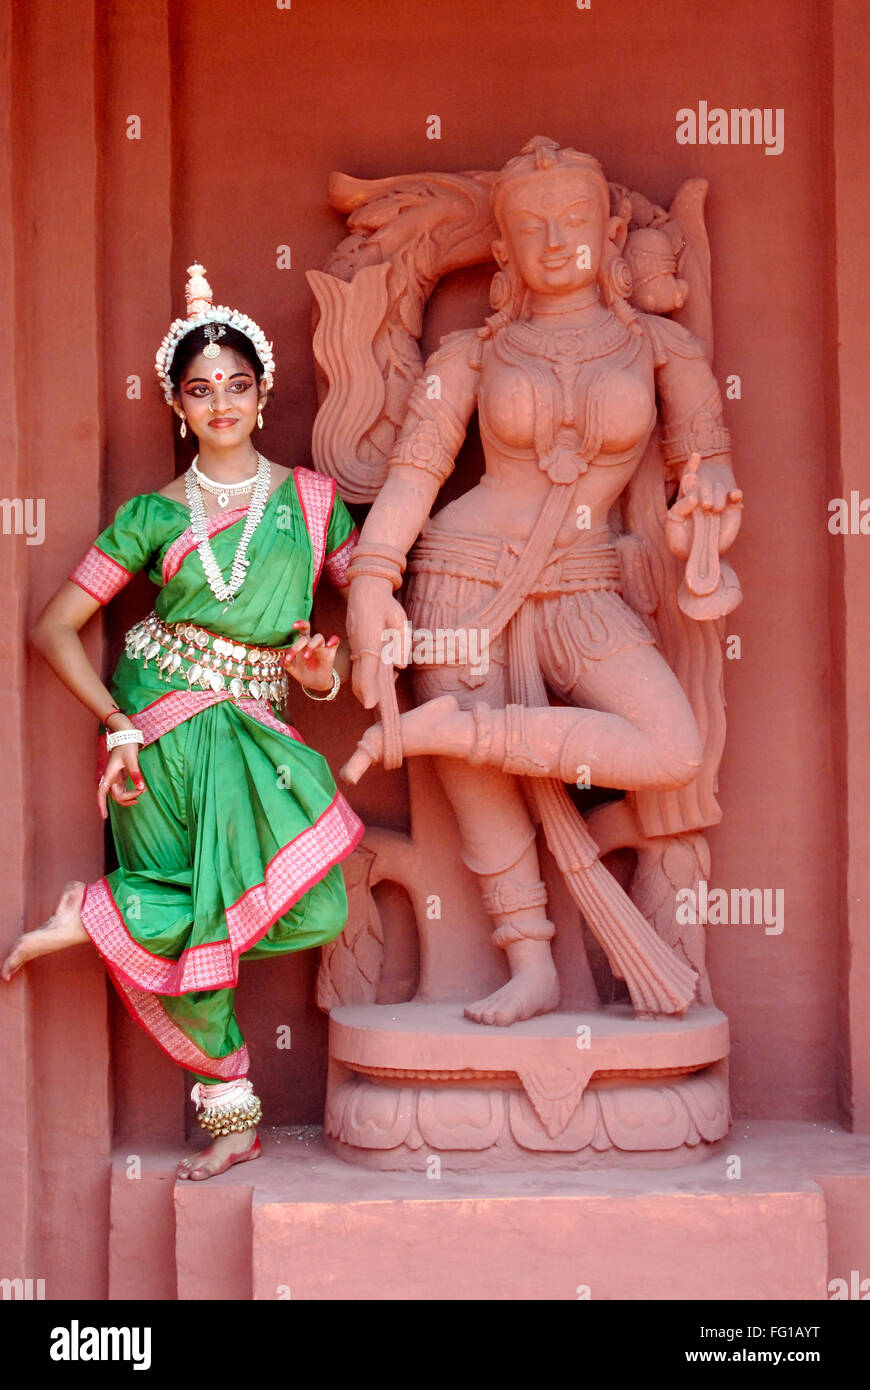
(223, 491)
(226, 590)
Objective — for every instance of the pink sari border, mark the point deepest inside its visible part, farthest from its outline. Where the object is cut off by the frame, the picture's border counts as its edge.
(169, 710)
(295, 868)
(316, 495)
(185, 543)
(100, 576)
(150, 1015)
(337, 561)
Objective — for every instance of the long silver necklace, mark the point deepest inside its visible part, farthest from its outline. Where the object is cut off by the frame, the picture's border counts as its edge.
(226, 590)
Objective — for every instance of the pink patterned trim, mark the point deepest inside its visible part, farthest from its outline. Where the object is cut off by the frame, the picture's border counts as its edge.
(150, 1014)
(338, 561)
(316, 496)
(294, 870)
(100, 576)
(168, 711)
(185, 543)
(296, 867)
(208, 966)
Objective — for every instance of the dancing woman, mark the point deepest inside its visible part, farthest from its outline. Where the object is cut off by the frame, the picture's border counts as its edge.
(229, 830)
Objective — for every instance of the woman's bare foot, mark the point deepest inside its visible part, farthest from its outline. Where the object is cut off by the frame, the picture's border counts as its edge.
(63, 928)
(532, 989)
(221, 1155)
(438, 726)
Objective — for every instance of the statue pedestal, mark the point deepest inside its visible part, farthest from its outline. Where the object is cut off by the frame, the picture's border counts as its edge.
(412, 1082)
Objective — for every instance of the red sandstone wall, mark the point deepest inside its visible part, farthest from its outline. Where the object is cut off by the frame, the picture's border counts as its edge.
(245, 110)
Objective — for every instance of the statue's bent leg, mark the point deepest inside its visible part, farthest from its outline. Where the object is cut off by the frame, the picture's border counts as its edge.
(634, 717)
(635, 727)
(636, 724)
(585, 746)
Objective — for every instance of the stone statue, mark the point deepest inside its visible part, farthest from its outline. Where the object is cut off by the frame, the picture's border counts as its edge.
(585, 564)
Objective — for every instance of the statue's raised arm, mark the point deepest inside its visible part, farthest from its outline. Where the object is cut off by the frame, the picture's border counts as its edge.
(424, 456)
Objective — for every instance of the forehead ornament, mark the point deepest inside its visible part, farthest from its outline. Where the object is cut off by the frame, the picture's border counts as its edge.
(213, 331)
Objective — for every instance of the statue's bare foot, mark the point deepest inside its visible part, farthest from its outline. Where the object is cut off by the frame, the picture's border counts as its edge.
(63, 928)
(438, 726)
(226, 1150)
(533, 989)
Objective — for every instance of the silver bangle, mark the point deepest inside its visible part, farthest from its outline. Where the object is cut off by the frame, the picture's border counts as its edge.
(336, 686)
(124, 736)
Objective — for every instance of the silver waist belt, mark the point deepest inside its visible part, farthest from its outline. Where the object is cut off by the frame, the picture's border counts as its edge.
(208, 660)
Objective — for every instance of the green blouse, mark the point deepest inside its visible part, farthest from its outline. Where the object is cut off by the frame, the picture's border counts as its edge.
(305, 530)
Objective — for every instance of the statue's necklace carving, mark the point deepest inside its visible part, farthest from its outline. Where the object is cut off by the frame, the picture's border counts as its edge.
(578, 345)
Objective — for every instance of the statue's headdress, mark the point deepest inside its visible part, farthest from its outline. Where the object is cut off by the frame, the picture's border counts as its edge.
(542, 153)
(201, 313)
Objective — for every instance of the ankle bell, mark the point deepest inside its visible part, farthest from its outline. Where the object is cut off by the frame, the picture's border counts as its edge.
(228, 1108)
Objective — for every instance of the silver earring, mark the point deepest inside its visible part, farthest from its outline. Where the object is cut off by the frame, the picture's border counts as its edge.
(183, 430)
(260, 418)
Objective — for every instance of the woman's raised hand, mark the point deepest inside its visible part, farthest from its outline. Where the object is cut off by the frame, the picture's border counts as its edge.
(310, 659)
(376, 625)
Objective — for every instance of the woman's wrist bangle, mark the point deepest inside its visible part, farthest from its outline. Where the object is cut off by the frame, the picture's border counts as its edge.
(106, 717)
(331, 694)
(124, 736)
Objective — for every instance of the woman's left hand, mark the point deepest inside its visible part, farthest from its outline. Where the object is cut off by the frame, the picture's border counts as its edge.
(311, 658)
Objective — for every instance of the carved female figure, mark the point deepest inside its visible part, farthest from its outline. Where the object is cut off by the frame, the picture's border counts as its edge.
(567, 379)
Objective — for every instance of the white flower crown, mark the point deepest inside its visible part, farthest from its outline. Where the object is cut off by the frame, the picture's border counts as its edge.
(200, 312)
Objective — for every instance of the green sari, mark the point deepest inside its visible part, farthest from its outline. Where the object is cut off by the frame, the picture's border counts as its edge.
(233, 851)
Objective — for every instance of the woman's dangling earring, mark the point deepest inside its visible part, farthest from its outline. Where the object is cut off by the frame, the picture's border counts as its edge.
(260, 418)
(183, 430)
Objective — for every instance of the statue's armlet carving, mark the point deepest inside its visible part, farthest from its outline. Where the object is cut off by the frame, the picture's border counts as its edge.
(690, 398)
(440, 407)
